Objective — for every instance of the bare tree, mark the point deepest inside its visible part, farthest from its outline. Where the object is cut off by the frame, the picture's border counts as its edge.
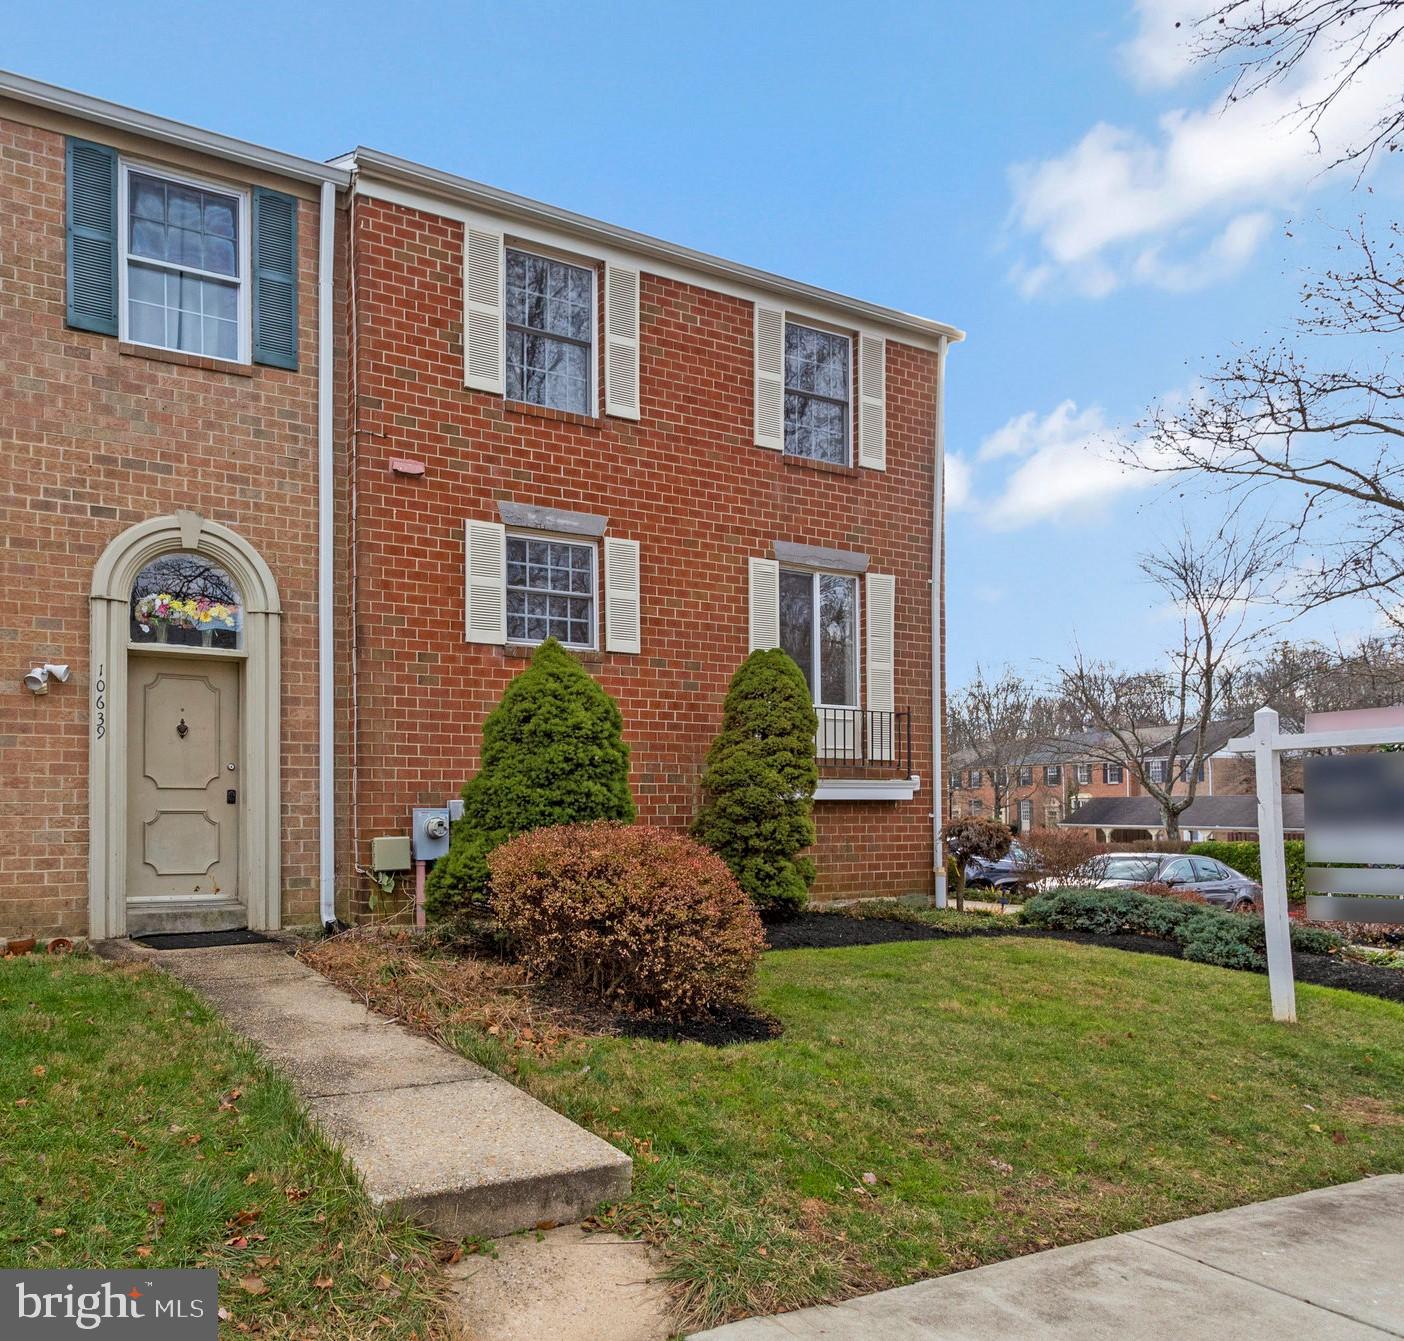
(1164, 714)
(992, 722)
(1267, 42)
(1314, 431)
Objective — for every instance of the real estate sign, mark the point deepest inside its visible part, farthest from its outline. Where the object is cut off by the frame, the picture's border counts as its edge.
(1355, 836)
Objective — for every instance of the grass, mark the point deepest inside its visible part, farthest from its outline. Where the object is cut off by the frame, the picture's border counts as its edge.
(135, 1130)
(936, 1105)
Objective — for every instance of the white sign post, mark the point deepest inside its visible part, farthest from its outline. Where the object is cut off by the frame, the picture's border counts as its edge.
(1267, 744)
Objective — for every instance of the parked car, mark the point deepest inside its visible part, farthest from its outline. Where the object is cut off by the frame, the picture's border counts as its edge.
(1210, 879)
(1009, 872)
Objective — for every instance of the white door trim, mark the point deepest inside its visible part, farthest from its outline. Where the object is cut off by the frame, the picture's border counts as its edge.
(260, 856)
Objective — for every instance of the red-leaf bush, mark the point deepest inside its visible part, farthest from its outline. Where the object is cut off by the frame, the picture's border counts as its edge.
(645, 918)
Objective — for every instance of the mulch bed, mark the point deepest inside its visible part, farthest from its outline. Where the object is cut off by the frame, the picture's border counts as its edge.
(717, 1031)
(829, 931)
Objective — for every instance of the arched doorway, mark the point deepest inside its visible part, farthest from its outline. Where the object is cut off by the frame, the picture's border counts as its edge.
(184, 745)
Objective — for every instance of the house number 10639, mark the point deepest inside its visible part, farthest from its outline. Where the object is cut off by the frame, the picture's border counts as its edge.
(100, 703)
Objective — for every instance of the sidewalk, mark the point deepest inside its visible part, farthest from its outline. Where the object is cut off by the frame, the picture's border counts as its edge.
(1328, 1265)
(434, 1136)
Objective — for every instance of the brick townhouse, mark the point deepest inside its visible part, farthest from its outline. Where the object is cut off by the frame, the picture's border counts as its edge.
(1058, 784)
(305, 458)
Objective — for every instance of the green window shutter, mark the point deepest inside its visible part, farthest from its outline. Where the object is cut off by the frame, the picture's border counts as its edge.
(91, 221)
(274, 279)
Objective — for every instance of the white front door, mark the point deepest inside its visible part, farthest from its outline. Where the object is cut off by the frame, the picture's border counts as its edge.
(182, 779)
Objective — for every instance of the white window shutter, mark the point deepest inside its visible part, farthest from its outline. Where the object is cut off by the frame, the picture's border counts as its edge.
(882, 700)
(765, 604)
(872, 402)
(484, 336)
(485, 582)
(770, 378)
(621, 342)
(622, 609)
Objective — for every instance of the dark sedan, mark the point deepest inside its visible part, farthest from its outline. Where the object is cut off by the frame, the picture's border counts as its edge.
(1210, 879)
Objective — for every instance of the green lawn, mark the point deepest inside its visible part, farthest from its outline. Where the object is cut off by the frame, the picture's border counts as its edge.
(136, 1131)
(1005, 1095)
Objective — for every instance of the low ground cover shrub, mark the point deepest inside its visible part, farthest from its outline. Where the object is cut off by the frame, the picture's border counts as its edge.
(1246, 858)
(1208, 935)
(645, 919)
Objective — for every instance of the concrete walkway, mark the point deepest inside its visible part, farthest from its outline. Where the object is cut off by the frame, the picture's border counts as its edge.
(1327, 1265)
(446, 1142)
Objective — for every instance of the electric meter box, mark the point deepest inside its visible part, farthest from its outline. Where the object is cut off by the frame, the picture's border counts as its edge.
(429, 834)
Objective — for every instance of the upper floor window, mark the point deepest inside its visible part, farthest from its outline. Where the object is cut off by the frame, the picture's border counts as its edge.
(1026, 775)
(975, 778)
(1052, 774)
(1111, 774)
(550, 591)
(550, 333)
(1155, 770)
(184, 267)
(819, 629)
(186, 600)
(1083, 773)
(817, 414)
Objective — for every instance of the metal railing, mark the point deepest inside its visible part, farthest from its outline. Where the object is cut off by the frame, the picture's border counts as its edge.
(864, 740)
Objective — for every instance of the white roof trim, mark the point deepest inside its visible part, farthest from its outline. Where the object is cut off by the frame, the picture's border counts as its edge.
(463, 192)
(104, 113)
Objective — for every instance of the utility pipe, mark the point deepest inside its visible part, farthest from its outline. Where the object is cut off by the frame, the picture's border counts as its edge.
(326, 539)
(938, 666)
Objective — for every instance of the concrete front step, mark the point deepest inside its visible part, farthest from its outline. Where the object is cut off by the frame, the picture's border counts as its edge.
(160, 917)
(434, 1136)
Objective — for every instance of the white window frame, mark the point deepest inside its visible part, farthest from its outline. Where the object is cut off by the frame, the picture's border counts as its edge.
(812, 324)
(976, 777)
(856, 579)
(1157, 770)
(526, 246)
(1054, 781)
(243, 281)
(1082, 775)
(557, 538)
(1108, 780)
(1026, 775)
(1026, 815)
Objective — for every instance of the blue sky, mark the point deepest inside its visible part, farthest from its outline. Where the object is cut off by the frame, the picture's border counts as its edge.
(1054, 179)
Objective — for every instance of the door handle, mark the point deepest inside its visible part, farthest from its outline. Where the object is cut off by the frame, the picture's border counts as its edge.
(231, 796)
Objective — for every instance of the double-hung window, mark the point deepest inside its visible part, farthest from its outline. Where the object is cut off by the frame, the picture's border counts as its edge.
(818, 364)
(1026, 775)
(1084, 774)
(819, 629)
(184, 265)
(550, 591)
(550, 333)
(1111, 774)
(1156, 770)
(1052, 774)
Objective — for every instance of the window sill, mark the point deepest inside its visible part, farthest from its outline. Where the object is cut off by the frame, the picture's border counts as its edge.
(525, 651)
(823, 467)
(526, 410)
(867, 789)
(158, 355)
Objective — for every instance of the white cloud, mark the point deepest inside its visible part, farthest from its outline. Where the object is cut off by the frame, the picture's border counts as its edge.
(957, 482)
(1189, 203)
(1067, 468)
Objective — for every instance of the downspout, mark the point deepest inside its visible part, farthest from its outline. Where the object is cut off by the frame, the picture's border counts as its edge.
(938, 586)
(326, 540)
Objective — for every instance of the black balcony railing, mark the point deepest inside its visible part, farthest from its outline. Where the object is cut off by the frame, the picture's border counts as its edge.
(864, 742)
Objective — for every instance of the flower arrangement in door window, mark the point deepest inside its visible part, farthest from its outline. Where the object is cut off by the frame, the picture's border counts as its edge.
(196, 612)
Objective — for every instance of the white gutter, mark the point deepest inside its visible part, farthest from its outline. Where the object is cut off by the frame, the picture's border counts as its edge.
(938, 665)
(104, 113)
(326, 538)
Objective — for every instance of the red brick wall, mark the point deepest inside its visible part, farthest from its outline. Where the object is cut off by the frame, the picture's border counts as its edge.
(96, 440)
(686, 481)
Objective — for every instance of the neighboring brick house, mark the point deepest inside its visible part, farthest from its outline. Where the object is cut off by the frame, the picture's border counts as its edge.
(1059, 779)
(291, 533)
(160, 367)
(663, 459)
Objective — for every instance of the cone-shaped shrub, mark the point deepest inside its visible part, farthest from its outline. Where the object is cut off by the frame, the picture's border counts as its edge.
(759, 782)
(553, 753)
